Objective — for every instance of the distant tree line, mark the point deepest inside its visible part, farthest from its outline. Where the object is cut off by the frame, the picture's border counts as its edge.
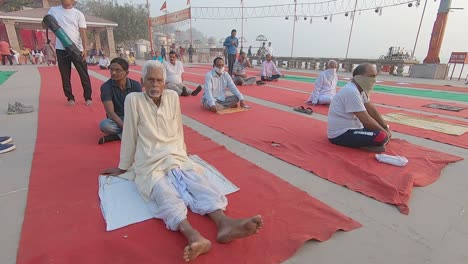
(131, 18)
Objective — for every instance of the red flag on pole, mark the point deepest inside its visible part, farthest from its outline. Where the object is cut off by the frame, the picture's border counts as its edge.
(163, 6)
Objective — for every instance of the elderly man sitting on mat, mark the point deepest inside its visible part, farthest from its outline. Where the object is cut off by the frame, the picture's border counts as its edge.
(153, 154)
(238, 73)
(353, 121)
(325, 85)
(216, 81)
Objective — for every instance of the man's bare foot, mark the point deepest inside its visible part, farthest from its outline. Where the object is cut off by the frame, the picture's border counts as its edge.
(197, 246)
(238, 228)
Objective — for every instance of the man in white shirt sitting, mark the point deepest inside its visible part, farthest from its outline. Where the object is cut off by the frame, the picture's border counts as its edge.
(104, 62)
(269, 70)
(325, 85)
(175, 76)
(353, 121)
(153, 154)
(216, 81)
(91, 60)
(240, 78)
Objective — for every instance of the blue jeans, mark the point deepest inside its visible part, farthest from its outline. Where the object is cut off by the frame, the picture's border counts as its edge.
(109, 127)
(273, 77)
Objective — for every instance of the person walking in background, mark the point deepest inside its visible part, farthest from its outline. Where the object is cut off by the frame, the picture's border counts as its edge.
(190, 53)
(231, 44)
(74, 24)
(163, 52)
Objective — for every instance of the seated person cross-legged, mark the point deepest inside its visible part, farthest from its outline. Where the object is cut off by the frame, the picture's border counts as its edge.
(216, 81)
(353, 121)
(238, 73)
(153, 151)
(113, 94)
(269, 70)
(104, 62)
(175, 76)
(325, 86)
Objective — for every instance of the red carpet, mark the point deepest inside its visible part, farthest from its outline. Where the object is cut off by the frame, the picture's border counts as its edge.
(303, 142)
(204, 67)
(378, 98)
(63, 221)
(293, 99)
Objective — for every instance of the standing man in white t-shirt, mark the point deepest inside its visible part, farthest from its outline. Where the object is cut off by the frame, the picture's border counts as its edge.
(353, 121)
(74, 24)
(269, 49)
(174, 78)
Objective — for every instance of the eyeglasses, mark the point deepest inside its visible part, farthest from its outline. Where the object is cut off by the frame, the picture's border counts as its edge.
(118, 71)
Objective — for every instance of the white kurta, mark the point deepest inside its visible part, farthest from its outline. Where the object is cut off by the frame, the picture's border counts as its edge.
(325, 86)
(152, 140)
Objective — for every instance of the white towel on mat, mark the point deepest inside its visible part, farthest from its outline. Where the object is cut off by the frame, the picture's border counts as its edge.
(393, 160)
(122, 205)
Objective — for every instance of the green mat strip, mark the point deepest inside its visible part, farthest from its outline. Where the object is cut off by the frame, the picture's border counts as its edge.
(4, 75)
(397, 90)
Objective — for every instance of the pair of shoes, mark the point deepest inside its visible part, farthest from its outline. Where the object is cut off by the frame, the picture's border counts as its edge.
(4, 146)
(184, 92)
(199, 88)
(301, 109)
(19, 108)
(89, 102)
(71, 102)
(108, 138)
(260, 82)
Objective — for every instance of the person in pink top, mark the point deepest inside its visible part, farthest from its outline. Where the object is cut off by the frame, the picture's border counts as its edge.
(269, 70)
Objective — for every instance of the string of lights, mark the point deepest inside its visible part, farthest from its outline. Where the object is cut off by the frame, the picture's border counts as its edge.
(306, 10)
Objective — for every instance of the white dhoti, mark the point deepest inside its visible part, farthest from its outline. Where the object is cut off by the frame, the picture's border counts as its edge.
(179, 189)
(323, 99)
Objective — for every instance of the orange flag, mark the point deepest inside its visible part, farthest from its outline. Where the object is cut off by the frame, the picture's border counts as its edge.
(163, 6)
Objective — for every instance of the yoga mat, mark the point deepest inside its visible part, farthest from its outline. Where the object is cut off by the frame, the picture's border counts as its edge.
(231, 110)
(427, 123)
(303, 142)
(4, 75)
(63, 222)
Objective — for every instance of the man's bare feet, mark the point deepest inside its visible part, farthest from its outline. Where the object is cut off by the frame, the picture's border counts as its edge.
(237, 228)
(197, 246)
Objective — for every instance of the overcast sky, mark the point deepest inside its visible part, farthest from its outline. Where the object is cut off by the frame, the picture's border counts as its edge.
(372, 34)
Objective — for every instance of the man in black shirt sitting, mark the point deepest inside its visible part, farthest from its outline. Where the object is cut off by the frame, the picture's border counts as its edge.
(113, 93)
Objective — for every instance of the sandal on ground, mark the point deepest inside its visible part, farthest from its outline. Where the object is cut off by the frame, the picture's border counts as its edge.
(301, 109)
